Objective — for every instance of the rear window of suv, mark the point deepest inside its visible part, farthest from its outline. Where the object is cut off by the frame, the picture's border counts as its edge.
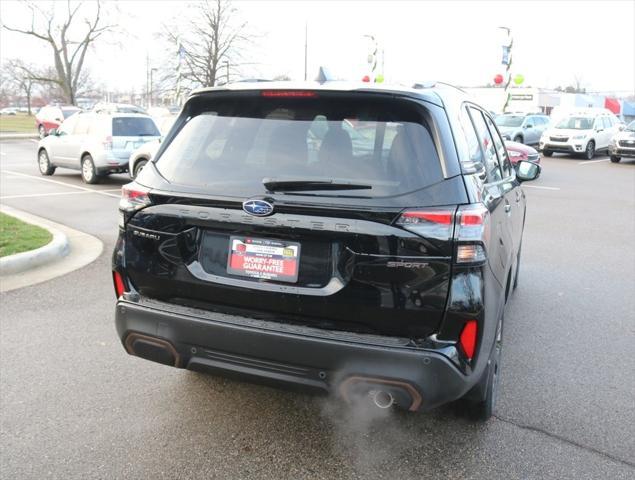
(134, 127)
(229, 147)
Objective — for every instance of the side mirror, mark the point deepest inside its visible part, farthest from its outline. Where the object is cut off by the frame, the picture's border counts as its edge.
(621, 127)
(529, 125)
(53, 131)
(58, 120)
(527, 171)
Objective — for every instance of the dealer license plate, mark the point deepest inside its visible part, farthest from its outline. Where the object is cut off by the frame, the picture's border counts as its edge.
(264, 258)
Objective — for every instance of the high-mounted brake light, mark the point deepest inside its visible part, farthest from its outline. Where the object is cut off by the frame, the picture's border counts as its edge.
(120, 286)
(289, 93)
(133, 197)
(467, 340)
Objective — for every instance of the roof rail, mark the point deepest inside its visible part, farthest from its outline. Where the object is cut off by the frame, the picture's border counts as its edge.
(435, 83)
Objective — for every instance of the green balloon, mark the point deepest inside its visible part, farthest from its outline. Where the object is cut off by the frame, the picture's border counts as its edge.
(518, 79)
(379, 78)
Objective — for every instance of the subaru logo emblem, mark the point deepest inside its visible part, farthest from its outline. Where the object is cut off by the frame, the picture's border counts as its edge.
(259, 208)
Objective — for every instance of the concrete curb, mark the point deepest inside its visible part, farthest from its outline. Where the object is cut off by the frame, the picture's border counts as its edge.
(58, 247)
(18, 136)
(73, 250)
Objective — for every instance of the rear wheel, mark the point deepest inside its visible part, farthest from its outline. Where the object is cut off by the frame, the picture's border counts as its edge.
(44, 164)
(138, 167)
(89, 173)
(41, 131)
(615, 158)
(547, 153)
(483, 408)
(589, 152)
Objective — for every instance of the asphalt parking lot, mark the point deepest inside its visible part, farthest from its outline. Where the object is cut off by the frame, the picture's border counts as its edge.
(75, 405)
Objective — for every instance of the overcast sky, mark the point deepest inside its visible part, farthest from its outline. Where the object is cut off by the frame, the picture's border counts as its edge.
(454, 41)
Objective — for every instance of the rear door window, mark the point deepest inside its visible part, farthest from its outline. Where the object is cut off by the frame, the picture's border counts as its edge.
(230, 147)
(134, 127)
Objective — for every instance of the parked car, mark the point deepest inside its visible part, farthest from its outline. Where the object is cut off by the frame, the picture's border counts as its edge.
(583, 133)
(368, 272)
(8, 111)
(107, 107)
(519, 151)
(623, 143)
(142, 155)
(97, 144)
(522, 127)
(52, 116)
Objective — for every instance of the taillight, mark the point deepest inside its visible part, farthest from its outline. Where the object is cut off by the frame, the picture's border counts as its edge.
(472, 233)
(107, 143)
(120, 286)
(468, 337)
(133, 197)
(430, 222)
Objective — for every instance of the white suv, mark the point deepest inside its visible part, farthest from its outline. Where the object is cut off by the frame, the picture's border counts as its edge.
(581, 133)
(97, 144)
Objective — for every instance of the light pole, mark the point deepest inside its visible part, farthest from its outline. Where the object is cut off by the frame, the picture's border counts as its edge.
(507, 61)
(372, 56)
(152, 70)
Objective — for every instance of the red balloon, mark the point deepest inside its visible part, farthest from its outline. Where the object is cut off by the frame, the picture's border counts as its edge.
(498, 79)
(366, 78)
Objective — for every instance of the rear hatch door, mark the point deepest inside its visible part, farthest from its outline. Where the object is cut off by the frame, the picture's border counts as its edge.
(289, 209)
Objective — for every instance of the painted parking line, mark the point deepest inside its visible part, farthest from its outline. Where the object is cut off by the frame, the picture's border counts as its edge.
(35, 195)
(77, 187)
(541, 187)
(590, 162)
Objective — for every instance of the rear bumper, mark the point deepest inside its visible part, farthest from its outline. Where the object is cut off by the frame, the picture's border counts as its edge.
(268, 352)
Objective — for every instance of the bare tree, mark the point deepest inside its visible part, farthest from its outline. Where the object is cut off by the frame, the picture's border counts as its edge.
(212, 41)
(21, 76)
(68, 39)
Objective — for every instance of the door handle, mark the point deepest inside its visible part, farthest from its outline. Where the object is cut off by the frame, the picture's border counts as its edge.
(508, 207)
(518, 196)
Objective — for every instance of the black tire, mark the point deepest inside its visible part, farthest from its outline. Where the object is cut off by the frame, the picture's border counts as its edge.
(41, 131)
(482, 409)
(615, 159)
(547, 153)
(518, 139)
(589, 151)
(89, 172)
(44, 164)
(138, 167)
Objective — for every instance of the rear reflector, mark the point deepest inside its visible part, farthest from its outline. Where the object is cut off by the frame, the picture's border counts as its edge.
(120, 287)
(467, 340)
(289, 93)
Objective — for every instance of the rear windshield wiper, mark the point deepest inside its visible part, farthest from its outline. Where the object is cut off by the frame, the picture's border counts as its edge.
(273, 185)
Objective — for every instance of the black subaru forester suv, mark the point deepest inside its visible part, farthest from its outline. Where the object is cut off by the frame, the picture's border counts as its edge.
(349, 239)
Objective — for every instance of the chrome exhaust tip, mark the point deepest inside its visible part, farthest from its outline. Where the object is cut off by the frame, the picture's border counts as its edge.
(382, 399)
